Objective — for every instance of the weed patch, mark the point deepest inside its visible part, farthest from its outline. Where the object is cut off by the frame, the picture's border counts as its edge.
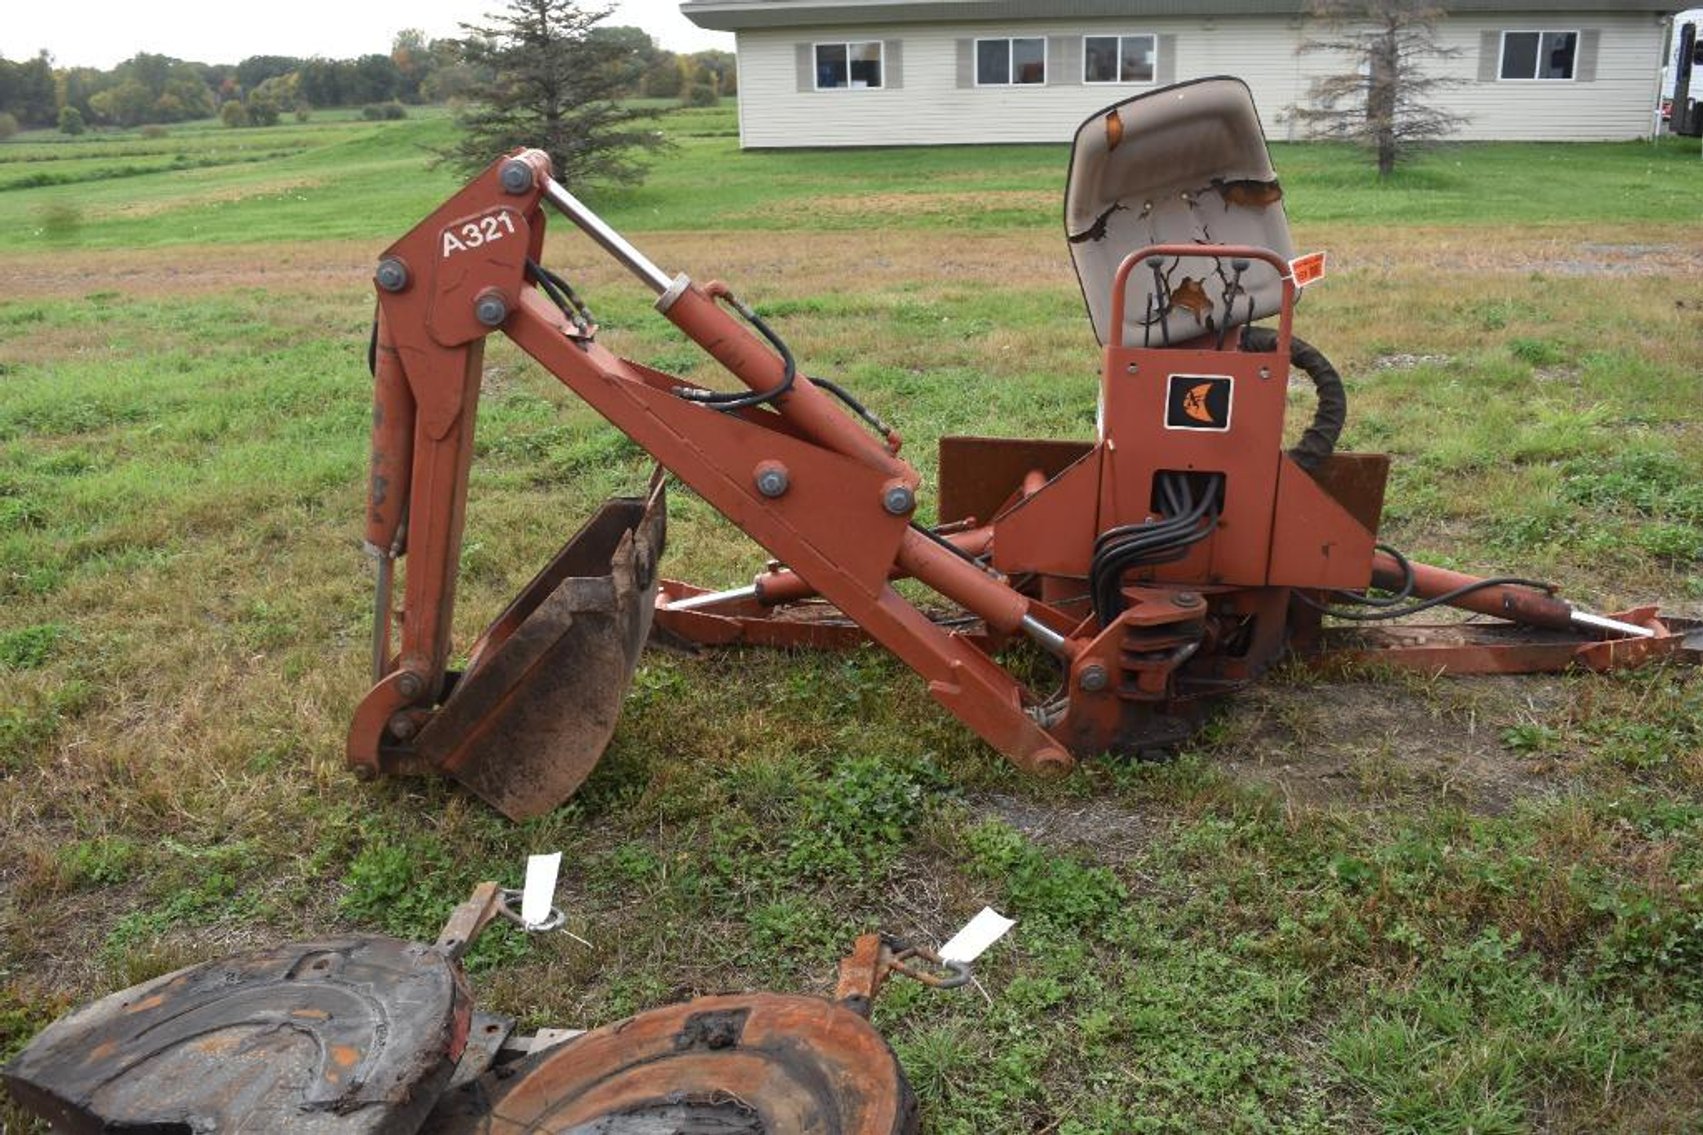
(29, 648)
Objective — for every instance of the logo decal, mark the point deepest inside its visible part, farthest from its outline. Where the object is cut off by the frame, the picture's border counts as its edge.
(1194, 403)
(1199, 402)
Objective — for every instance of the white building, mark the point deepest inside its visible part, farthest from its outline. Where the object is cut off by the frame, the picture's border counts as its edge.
(879, 73)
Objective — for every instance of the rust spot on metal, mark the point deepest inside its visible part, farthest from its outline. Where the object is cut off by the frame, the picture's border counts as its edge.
(1097, 230)
(1191, 296)
(1114, 129)
(217, 1044)
(206, 1049)
(1249, 193)
(799, 1063)
(861, 973)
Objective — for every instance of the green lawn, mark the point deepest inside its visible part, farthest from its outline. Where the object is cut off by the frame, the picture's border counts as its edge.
(1360, 901)
(348, 179)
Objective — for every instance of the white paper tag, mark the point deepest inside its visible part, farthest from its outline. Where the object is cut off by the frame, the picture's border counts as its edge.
(978, 934)
(539, 894)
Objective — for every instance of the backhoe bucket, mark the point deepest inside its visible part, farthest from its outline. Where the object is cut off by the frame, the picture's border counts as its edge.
(528, 720)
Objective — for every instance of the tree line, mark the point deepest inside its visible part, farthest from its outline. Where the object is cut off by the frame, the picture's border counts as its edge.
(159, 89)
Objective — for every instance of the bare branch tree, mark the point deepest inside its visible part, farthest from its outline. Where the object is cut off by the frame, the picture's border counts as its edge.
(1388, 102)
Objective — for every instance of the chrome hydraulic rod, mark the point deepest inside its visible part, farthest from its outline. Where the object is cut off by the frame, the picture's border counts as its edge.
(711, 598)
(611, 241)
(386, 567)
(1046, 638)
(1584, 620)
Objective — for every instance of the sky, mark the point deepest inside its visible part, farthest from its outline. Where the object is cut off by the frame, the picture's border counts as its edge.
(100, 33)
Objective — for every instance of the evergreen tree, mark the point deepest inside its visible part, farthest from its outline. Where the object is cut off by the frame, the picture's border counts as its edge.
(556, 87)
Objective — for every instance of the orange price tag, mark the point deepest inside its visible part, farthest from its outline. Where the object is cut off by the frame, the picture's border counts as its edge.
(1307, 269)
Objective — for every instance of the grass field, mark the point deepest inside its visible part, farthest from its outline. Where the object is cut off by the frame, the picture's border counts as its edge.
(1361, 902)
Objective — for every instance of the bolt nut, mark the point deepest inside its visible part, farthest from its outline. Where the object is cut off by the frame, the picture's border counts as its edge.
(392, 274)
(1186, 599)
(491, 309)
(772, 479)
(402, 726)
(1093, 678)
(516, 176)
(898, 500)
(409, 685)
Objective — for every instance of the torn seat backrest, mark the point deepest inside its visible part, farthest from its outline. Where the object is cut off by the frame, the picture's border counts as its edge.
(1183, 165)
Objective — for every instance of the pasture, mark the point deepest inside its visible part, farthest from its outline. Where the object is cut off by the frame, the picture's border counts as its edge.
(1360, 901)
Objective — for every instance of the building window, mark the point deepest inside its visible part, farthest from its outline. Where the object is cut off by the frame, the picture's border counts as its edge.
(853, 65)
(1007, 62)
(1539, 55)
(1119, 58)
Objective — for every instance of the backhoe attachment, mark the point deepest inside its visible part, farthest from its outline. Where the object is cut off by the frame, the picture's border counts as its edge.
(1162, 564)
(525, 720)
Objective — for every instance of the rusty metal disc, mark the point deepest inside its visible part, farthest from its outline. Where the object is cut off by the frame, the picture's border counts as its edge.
(753, 1064)
(341, 1035)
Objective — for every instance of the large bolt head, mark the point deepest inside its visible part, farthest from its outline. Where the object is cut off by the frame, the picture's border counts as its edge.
(516, 176)
(1093, 678)
(392, 274)
(898, 500)
(491, 310)
(408, 684)
(772, 480)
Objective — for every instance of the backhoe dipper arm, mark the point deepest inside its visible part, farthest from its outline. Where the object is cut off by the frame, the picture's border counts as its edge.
(798, 474)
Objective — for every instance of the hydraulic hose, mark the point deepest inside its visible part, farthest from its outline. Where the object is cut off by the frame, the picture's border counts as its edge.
(1319, 440)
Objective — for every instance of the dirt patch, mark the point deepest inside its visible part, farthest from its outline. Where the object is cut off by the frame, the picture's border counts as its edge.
(311, 268)
(793, 264)
(1378, 744)
(36, 345)
(909, 204)
(1104, 829)
(770, 267)
(1408, 362)
(1510, 250)
(271, 190)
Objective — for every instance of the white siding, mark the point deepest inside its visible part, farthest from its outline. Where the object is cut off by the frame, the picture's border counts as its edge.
(1618, 104)
(930, 108)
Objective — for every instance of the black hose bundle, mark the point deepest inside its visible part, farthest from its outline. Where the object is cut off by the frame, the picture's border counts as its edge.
(1319, 441)
(1187, 522)
(562, 294)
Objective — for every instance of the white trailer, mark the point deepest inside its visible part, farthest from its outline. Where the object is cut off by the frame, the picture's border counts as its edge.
(1682, 74)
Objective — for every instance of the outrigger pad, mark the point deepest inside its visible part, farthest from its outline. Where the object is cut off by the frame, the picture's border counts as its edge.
(341, 1035)
(746, 1064)
(529, 720)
